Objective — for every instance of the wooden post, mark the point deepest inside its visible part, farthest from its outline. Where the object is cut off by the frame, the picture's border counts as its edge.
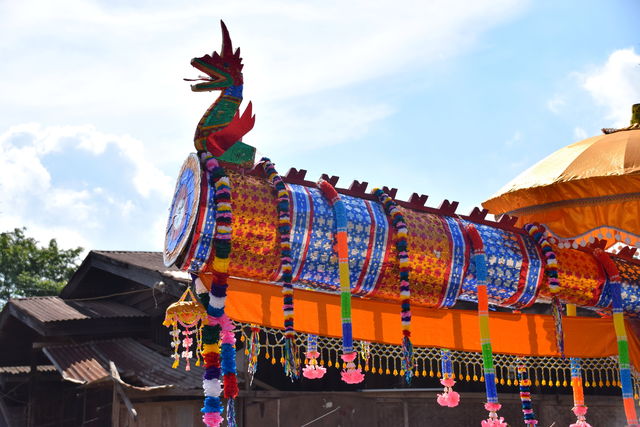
(115, 408)
(32, 383)
(117, 388)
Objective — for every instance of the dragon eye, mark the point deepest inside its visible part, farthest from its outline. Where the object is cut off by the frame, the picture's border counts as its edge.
(226, 64)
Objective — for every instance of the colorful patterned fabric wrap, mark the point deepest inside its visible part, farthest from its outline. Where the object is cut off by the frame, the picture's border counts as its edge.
(630, 287)
(438, 262)
(515, 268)
(315, 264)
(256, 250)
(581, 277)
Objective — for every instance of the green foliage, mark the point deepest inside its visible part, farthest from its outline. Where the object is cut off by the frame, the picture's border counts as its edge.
(27, 269)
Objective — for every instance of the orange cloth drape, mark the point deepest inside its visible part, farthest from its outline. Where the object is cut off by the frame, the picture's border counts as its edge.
(521, 334)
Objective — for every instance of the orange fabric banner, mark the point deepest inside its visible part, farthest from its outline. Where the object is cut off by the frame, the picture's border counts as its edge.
(520, 334)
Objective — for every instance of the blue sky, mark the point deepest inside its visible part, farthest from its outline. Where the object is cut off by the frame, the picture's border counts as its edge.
(447, 98)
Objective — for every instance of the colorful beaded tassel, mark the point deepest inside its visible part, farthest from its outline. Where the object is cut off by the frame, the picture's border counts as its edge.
(479, 258)
(537, 233)
(402, 251)
(449, 397)
(253, 350)
(525, 394)
(351, 374)
(291, 361)
(313, 370)
(623, 344)
(579, 408)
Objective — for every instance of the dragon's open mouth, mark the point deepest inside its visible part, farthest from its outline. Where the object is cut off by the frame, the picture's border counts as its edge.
(214, 79)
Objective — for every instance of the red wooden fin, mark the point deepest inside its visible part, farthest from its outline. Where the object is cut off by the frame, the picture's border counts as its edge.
(358, 187)
(333, 180)
(418, 201)
(296, 175)
(390, 192)
(448, 208)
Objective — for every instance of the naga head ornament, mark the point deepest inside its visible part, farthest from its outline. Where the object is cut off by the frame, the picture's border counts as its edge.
(222, 70)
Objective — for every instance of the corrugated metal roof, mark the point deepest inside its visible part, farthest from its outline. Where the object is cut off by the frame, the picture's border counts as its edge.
(55, 309)
(16, 370)
(137, 364)
(149, 260)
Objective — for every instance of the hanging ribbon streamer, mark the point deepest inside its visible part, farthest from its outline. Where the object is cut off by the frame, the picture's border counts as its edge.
(449, 397)
(313, 370)
(479, 258)
(219, 340)
(537, 233)
(253, 350)
(402, 250)
(291, 361)
(525, 394)
(623, 345)
(351, 374)
(579, 408)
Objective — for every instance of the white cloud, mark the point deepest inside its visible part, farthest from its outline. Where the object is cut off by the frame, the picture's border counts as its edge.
(330, 125)
(616, 85)
(121, 67)
(125, 64)
(82, 212)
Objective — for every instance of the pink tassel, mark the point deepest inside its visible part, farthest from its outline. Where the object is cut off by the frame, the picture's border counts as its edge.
(313, 372)
(580, 411)
(493, 420)
(351, 375)
(449, 397)
(212, 419)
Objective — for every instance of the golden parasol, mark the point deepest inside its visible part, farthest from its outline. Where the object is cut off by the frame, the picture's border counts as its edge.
(587, 190)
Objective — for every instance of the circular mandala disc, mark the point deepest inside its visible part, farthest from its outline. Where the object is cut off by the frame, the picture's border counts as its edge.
(183, 211)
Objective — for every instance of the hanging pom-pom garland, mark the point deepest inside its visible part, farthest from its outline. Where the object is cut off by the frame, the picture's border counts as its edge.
(313, 370)
(402, 250)
(291, 363)
(623, 344)
(479, 258)
(525, 394)
(351, 374)
(189, 314)
(449, 397)
(219, 340)
(537, 233)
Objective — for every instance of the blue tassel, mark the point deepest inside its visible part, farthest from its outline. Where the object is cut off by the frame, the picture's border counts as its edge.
(231, 413)
(407, 359)
(290, 365)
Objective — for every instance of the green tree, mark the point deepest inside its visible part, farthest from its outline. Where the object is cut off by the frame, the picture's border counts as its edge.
(27, 269)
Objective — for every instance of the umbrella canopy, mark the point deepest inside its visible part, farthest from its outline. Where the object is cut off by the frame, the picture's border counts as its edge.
(585, 190)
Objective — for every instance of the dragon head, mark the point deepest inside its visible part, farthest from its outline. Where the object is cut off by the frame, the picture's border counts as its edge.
(223, 70)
